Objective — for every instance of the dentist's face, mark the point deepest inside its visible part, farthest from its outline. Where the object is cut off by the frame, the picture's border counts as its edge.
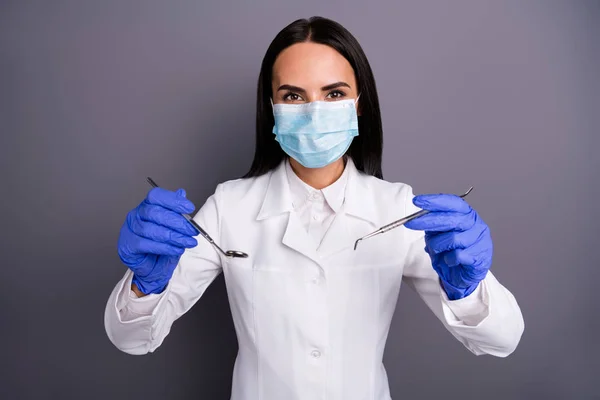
(307, 72)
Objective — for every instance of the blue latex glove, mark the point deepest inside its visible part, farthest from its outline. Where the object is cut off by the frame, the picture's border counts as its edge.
(457, 241)
(154, 236)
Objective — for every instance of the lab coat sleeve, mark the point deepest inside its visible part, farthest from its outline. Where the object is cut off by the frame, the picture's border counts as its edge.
(488, 321)
(139, 325)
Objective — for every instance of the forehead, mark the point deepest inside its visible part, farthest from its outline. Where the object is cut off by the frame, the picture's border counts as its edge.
(305, 64)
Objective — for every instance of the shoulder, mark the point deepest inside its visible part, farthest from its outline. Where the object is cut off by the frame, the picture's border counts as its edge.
(236, 190)
(385, 191)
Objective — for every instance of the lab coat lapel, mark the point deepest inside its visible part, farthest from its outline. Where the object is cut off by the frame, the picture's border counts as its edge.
(337, 237)
(296, 238)
(278, 201)
(359, 205)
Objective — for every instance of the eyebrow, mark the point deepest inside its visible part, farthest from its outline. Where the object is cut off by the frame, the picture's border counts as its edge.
(335, 86)
(292, 88)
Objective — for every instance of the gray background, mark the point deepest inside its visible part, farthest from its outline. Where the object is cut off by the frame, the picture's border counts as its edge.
(502, 95)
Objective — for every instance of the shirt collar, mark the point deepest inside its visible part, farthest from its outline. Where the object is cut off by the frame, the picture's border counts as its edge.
(358, 196)
(300, 191)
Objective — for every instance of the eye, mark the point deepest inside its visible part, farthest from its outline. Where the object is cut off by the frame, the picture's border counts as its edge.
(336, 95)
(291, 96)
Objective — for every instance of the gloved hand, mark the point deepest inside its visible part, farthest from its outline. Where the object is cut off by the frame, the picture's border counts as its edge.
(457, 241)
(154, 236)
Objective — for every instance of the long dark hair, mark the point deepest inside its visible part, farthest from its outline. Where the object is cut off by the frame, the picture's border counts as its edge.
(366, 148)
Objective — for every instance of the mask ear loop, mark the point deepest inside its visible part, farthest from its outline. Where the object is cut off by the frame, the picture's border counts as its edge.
(271, 100)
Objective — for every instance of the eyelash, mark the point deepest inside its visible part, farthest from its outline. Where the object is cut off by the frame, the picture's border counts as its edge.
(338, 94)
(287, 96)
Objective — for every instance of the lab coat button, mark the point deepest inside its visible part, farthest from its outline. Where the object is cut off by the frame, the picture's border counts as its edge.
(315, 353)
(315, 281)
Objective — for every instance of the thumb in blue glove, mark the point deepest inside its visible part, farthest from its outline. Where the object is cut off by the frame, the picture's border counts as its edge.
(457, 241)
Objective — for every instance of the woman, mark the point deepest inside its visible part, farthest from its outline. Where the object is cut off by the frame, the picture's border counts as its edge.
(311, 313)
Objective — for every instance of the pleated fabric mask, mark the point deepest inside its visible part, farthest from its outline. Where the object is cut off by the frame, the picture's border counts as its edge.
(318, 133)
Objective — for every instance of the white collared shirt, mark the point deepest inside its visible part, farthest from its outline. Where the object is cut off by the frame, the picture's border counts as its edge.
(316, 208)
(311, 322)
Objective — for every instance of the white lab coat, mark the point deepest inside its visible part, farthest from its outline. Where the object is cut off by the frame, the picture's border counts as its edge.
(311, 323)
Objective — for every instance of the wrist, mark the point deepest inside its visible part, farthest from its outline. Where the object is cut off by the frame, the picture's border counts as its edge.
(137, 291)
(146, 288)
(456, 293)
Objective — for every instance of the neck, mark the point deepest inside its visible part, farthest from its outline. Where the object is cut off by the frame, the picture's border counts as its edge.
(319, 178)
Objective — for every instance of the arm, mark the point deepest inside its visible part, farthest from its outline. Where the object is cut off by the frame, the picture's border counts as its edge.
(138, 325)
(487, 321)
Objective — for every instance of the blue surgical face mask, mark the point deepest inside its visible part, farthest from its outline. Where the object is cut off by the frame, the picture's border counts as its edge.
(318, 133)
